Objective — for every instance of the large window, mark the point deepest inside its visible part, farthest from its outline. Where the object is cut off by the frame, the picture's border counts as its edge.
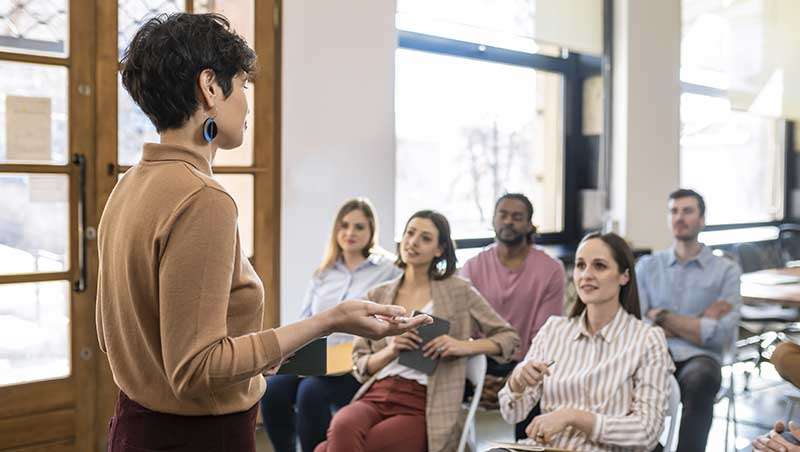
(733, 148)
(469, 131)
(734, 159)
(480, 111)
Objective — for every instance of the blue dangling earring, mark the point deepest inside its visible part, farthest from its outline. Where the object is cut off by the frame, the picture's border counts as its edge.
(209, 129)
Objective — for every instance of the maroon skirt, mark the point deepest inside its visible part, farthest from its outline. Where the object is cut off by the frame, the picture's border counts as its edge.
(135, 428)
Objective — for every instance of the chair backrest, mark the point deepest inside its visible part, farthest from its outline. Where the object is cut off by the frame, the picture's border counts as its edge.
(750, 257)
(672, 412)
(476, 374)
(789, 242)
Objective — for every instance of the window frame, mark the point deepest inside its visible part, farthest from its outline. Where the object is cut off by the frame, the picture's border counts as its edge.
(574, 68)
(788, 162)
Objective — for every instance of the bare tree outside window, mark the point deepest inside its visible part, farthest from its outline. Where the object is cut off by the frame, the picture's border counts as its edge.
(491, 157)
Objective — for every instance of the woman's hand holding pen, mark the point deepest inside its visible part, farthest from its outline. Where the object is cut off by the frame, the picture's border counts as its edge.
(528, 373)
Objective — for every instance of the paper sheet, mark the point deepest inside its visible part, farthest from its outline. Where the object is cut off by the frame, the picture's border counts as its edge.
(340, 359)
(28, 123)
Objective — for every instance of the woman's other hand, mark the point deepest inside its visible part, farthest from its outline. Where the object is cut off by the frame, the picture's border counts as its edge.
(445, 346)
(774, 441)
(545, 427)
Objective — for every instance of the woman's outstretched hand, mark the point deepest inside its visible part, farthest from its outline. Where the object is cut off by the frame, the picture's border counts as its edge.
(372, 320)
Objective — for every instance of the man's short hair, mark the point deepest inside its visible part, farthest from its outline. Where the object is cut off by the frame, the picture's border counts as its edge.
(687, 192)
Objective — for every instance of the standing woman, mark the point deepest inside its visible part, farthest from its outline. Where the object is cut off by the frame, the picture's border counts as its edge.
(399, 409)
(352, 264)
(179, 307)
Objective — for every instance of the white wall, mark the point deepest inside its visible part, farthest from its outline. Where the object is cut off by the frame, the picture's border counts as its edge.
(338, 126)
(646, 150)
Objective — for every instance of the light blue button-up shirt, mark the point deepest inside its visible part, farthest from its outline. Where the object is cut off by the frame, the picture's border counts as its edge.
(338, 283)
(689, 288)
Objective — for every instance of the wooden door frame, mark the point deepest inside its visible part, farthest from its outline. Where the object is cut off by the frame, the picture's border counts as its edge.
(267, 155)
(59, 415)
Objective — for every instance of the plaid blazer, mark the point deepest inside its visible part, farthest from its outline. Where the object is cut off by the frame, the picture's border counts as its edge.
(456, 300)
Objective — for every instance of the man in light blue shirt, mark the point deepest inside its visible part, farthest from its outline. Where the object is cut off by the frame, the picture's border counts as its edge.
(694, 296)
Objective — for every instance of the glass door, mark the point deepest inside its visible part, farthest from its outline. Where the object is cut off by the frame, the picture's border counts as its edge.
(47, 341)
(68, 131)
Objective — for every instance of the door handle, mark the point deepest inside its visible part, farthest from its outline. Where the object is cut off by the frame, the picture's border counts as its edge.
(79, 285)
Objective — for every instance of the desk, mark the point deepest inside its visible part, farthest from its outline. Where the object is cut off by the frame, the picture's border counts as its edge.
(787, 295)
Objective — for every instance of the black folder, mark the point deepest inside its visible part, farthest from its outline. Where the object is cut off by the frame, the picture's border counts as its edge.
(414, 358)
(309, 361)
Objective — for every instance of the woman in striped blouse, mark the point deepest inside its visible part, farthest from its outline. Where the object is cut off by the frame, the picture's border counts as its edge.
(601, 374)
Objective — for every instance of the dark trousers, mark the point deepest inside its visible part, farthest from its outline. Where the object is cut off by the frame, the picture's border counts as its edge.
(135, 428)
(699, 379)
(504, 370)
(301, 406)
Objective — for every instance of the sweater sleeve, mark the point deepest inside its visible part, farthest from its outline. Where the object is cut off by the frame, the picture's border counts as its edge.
(195, 275)
(639, 429)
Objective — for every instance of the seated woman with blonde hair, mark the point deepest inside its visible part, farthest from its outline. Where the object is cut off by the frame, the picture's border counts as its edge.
(353, 263)
(601, 375)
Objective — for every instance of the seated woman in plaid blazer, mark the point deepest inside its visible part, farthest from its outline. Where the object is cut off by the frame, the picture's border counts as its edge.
(402, 409)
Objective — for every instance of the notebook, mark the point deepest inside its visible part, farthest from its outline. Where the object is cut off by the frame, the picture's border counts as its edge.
(770, 278)
(525, 447)
(413, 358)
(309, 361)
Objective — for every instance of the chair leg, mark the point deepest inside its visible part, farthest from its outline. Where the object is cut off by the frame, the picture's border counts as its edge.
(727, 422)
(730, 394)
(760, 358)
(747, 376)
(735, 421)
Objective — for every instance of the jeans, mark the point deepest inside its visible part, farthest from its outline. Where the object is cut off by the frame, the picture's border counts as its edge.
(301, 406)
(699, 379)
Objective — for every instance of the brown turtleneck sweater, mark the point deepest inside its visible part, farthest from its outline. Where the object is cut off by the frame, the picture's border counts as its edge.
(179, 307)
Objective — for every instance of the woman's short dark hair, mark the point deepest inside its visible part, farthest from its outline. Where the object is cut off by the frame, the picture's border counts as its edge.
(443, 266)
(623, 256)
(161, 64)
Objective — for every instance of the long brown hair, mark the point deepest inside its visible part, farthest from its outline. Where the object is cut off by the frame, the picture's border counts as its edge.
(441, 267)
(623, 256)
(333, 251)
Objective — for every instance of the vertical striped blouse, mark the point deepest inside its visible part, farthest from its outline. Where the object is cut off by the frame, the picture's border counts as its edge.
(620, 374)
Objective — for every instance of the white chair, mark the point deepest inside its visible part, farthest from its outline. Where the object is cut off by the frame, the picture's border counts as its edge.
(476, 374)
(673, 409)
